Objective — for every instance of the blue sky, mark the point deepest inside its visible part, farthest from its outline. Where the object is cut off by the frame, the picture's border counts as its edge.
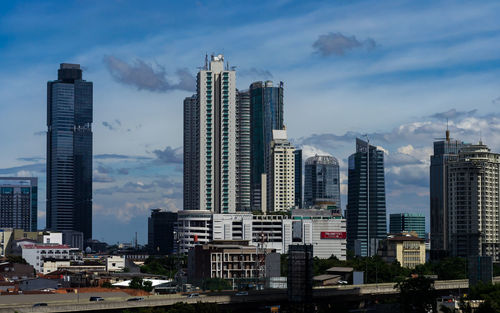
(394, 70)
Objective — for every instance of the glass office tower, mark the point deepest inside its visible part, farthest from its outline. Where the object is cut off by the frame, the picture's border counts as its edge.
(266, 115)
(69, 152)
(407, 222)
(322, 181)
(19, 203)
(366, 211)
(298, 178)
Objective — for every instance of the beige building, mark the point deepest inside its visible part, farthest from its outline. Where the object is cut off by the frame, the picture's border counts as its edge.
(281, 180)
(408, 250)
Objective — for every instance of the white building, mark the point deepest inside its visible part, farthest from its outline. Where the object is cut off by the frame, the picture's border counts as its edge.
(50, 266)
(323, 229)
(52, 237)
(212, 158)
(281, 179)
(115, 263)
(35, 254)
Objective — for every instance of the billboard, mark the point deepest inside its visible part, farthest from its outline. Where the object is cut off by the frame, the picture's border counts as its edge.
(333, 235)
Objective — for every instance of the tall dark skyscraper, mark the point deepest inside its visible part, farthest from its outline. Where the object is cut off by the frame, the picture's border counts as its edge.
(322, 181)
(366, 212)
(444, 150)
(161, 227)
(266, 115)
(298, 178)
(69, 151)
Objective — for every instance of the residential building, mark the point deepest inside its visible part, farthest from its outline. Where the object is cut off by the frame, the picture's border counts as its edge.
(473, 203)
(191, 154)
(35, 254)
(321, 181)
(161, 232)
(366, 211)
(266, 106)
(115, 263)
(407, 222)
(231, 259)
(298, 178)
(69, 151)
(15, 271)
(243, 148)
(444, 150)
(281, 176)
(210, 140)
(19, 202)
(408, 250)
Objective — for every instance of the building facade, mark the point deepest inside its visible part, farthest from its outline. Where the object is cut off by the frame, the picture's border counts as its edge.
(210, 139)
(409, 251)
(36, 254)
(366, 211)
(266, 115)
(298, 178)
(281, 176)
(243, 152)
(69, 151)
(321, 181)
(161, 229)
(19, 203)
(407, 222)
(474, 202)
(444, 150)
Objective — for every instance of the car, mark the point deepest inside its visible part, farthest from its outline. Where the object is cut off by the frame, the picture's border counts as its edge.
(193, 295)
(242, 293)
(96, 299)
(342, 282)
(37, 305)
(136, 299)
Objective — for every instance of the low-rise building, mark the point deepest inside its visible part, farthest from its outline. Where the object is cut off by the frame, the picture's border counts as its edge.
(115, 263)
(35, 254)
(408, 250)
(231, 259)
(15, 271)
(52, 265)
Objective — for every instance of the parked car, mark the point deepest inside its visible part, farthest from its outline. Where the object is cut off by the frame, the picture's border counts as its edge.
(342, 282)
(193, 295)
(136, 299)
(242, 293)
(96, 299)
(36, 305)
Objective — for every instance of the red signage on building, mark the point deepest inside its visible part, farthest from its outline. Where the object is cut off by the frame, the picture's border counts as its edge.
(333, 235)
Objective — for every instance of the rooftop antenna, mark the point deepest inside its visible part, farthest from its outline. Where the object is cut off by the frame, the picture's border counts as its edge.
(206, 61)
(227, 65)
(480, 137)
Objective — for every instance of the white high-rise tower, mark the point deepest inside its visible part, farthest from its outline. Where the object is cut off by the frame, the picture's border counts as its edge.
(215, 126)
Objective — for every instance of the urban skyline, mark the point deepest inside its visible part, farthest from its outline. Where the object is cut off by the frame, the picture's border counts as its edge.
(149, 152)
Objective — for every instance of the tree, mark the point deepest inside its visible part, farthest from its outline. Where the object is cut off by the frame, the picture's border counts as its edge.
(216, 284)
(139, 283)
(490, 293)
(417, 295)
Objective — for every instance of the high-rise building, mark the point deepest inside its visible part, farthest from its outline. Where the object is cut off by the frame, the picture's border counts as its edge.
(407, 222)
(322, 181)
(161, 226)
(19, 203)
(243, 151)
(298, 178)
(366, 211)
(281, 179)
(473, 203)
(444, 150)
(191, 151)
(266, 115)
(211, 123)
(69, 151)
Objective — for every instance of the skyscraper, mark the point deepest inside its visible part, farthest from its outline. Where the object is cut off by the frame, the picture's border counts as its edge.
(474, 202)
(298, 178)
(444, 150)
(191, 152)
(266, 115)
(281, 178)
(19, 202)
(243, 151)
(322, 181)
(210, 137)
(161, 227)
(366, 212)
(69, 151)
(407, 222)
